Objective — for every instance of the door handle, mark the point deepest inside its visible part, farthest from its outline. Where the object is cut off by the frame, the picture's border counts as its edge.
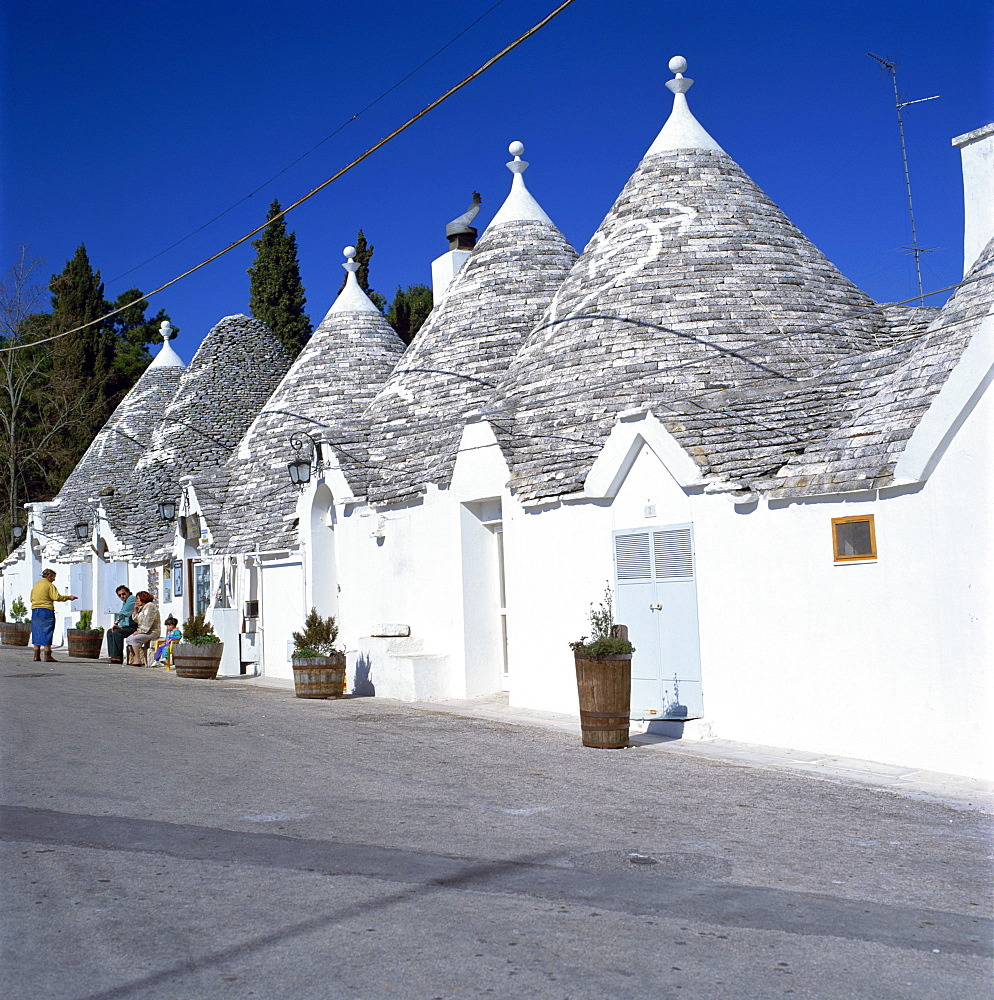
(655, 607)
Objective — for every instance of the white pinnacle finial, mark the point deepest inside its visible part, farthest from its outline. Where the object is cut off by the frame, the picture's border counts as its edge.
(681, 84)
(166, 356)
(517, 165)
(519, 206)
(351, 298)
(682, 130)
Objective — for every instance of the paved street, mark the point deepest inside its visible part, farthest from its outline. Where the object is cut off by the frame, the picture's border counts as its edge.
(165, 838)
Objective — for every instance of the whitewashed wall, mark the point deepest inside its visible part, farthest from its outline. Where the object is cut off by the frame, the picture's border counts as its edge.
(885, 660)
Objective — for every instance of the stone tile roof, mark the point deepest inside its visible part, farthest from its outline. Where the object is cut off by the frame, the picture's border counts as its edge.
(861, 450)
(111, 458)
(840, 430)
(452, 368)
(694, 282)
(347, 359)
(235, 371)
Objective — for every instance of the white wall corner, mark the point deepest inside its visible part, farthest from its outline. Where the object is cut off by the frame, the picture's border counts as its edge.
(443, 270)
(977, 154)
(954, 402)
(633, 430)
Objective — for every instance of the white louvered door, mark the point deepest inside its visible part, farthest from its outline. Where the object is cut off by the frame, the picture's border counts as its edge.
(656, 597)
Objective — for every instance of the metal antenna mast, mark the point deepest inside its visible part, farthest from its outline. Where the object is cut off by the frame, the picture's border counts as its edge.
(916, 250)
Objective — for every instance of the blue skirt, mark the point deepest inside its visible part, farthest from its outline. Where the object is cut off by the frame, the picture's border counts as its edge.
(42, 626)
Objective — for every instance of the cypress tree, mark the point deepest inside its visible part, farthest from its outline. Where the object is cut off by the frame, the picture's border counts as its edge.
(276, 294)
(82, 363)
(78, 298)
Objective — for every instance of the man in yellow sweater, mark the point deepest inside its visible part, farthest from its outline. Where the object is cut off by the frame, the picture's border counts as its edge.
(43, 597)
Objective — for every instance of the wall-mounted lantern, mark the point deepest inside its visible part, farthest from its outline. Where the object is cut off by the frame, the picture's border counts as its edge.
(82, 530)
(167, 510)
(300, 468)
(17, 533)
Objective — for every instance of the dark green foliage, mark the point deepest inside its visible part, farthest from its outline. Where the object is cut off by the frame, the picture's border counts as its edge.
(276, 295)
(198, 632)
(85, 623)
(96, 366)
(78, 298)
(318, 637)
(409, 310)
(55, 397)
(363, 255)
(608, 646)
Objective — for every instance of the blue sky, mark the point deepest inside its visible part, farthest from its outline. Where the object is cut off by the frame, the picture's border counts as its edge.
(128, 125)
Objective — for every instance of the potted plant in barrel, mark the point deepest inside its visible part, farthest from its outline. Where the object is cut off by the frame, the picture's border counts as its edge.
(84, 640)
(199, 654)
(318, 668)
(604, 678)
(17, 631)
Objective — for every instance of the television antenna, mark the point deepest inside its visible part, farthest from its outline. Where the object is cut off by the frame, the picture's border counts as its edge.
(915, 249)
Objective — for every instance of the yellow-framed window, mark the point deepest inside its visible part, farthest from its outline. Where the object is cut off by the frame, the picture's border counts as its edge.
(854, 538)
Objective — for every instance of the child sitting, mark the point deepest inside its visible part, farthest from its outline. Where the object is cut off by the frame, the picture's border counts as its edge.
(172, 635)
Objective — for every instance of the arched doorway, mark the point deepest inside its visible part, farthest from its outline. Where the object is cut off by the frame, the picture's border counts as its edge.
(322, 572)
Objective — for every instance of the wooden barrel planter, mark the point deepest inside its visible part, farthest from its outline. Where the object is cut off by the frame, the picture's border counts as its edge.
(604, 684)
(15, 633)
(197, 662)
(319, 677)
(84, 643)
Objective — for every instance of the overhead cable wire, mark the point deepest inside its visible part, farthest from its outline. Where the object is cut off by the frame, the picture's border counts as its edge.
(331, 135)
(493, 60)
(497, 412)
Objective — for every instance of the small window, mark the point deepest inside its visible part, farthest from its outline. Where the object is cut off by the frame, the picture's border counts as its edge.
(854, 538)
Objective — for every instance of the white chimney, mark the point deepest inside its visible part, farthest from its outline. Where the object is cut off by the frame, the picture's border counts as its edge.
(977, 152)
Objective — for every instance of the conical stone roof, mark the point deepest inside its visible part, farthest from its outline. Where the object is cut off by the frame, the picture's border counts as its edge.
(453, 366)
(347, 359)
(234, 372)
(694, 281)
(113, 454)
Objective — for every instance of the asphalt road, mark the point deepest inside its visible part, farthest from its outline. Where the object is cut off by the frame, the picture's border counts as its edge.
(177, 839)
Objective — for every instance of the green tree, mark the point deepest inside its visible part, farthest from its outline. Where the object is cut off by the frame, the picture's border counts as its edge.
(409, 310)
(363, 255)
(276, 294)
(96, 366)
(82, 362)
(77, 299)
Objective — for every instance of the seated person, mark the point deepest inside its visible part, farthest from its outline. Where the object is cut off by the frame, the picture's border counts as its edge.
(173, 634)
(146, 617)
(123, 626)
